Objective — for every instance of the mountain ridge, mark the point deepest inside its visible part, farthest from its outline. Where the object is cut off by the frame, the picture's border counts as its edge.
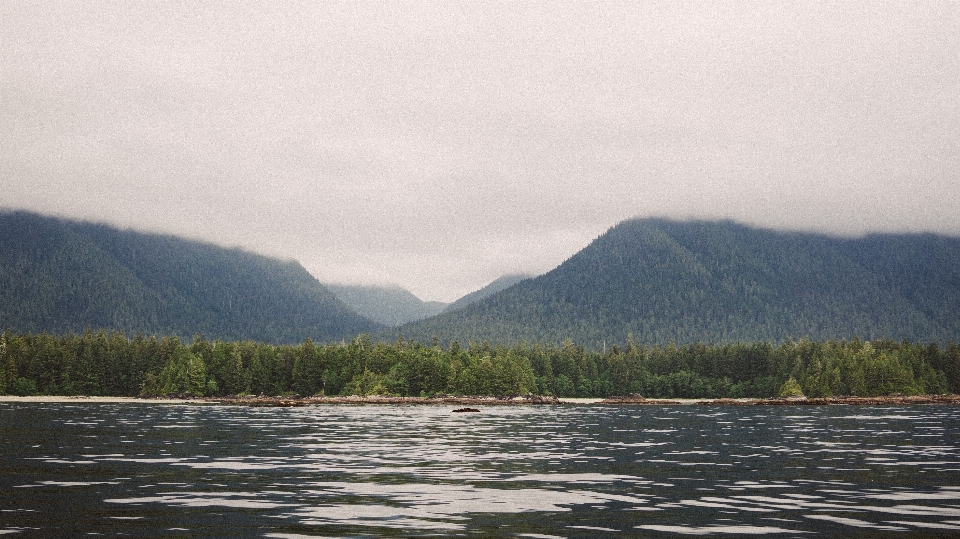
(60, 276)
(662, 281)
(497, 285)
(389, 305)
(655, 281)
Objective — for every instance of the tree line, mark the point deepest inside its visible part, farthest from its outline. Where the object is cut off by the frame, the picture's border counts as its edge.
(111, 364)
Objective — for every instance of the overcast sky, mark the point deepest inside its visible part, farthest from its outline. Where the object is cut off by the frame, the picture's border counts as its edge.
(440, 145)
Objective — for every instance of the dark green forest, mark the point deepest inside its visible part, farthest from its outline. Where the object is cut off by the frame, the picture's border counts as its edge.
(102, 363)
(627, 314)
(498, 285)
(58, 275)
(717, 281)
(661, 281)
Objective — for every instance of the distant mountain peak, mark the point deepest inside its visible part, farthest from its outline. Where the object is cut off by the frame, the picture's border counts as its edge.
(389, 305)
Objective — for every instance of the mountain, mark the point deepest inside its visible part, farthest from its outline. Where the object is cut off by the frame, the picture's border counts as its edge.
(390, 306)
(663, 281)
(59, 276)
(393, 306)
(498, 285)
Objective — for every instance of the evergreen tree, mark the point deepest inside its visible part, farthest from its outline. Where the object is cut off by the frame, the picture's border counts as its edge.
(185, 373)
(7, 368)
(307, 370)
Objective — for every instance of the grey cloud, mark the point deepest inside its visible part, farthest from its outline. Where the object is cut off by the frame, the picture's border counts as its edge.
(440, 146)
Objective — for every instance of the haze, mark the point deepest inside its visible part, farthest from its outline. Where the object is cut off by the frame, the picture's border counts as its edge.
(439, 146)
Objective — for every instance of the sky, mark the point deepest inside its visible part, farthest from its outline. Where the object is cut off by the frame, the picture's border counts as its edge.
(440, 145)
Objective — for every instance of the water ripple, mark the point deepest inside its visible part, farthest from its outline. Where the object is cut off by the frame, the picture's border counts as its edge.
(537, 472)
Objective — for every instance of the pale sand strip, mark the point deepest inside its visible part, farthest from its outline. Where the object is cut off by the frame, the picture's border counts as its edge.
(475, 400)
(579, 400)
(94, 400)
(591, 400)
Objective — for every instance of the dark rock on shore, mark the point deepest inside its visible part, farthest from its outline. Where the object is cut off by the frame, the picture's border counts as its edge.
(635, 399)
(882, 400)
(176, 396)
(380, 399)
(906, 400)
(628, 400)
(284, 402)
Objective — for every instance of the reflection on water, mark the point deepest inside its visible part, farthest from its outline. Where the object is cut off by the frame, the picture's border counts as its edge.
(536, 472)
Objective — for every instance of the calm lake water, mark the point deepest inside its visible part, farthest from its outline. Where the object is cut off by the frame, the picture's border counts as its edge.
(151, 470)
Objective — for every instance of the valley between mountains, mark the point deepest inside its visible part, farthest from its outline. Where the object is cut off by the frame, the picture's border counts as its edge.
(653, 281)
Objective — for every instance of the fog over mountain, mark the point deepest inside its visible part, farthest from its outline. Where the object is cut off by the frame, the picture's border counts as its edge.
(65, 276)
(662, 281)
(390, 306)
(437, 147)
(652, 280)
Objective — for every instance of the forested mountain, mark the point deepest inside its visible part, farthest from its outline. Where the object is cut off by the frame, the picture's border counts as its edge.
(666, 281)
(388, 305)
(498, 285)
(656, 280)
(58, 276)
(393, 306)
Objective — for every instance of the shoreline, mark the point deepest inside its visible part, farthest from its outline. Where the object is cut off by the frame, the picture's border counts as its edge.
(630, 400)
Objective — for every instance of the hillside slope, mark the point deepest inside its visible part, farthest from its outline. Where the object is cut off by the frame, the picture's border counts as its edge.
(59, 276)
(498, 285)
(388, 305)
(665, 281)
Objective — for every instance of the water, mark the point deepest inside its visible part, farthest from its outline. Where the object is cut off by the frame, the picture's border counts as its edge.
(150, 470)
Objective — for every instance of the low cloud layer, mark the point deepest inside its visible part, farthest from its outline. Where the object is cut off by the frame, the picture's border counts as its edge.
(439, 147)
